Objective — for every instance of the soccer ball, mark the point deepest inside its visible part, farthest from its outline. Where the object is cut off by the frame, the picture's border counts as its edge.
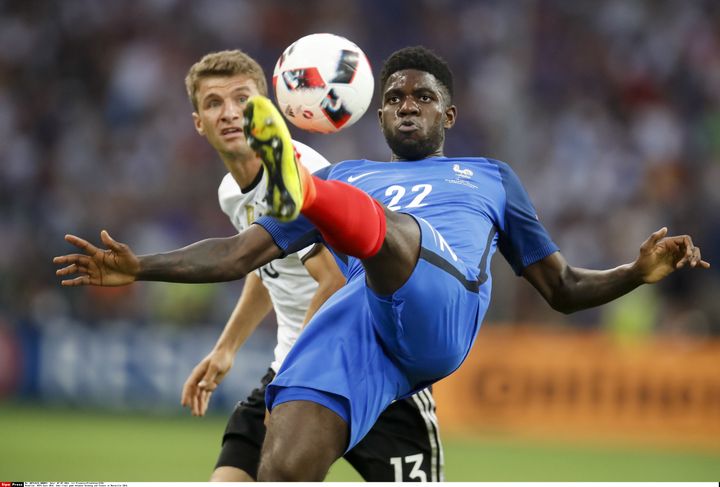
(323, 83)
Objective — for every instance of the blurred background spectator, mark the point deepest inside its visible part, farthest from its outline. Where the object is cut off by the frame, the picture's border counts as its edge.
(608, 110)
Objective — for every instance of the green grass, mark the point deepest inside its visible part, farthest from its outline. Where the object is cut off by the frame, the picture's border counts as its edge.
(62, 445)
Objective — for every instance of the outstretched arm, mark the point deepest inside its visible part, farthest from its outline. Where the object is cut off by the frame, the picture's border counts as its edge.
(568, 289)
(254, 304)
(211, 260)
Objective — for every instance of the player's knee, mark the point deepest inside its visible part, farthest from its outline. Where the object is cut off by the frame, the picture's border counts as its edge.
(276, 466)
(230, 474)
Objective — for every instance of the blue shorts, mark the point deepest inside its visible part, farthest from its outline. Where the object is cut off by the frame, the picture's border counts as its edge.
(361, 351)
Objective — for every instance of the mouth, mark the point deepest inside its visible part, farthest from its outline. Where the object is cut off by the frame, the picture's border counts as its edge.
(231, 132)
(408, 126)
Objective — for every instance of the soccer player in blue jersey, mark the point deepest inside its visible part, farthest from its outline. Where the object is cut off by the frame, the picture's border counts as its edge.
(414, 238)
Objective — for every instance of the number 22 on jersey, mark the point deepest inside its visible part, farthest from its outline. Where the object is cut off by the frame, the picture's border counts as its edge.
(417, 194)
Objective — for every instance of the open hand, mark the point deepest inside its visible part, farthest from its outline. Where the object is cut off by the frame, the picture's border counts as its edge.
(115, 266)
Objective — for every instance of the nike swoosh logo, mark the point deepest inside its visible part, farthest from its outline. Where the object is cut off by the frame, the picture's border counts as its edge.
(352, 179)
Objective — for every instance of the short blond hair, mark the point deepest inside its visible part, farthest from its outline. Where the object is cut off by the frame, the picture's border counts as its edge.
(224, 63)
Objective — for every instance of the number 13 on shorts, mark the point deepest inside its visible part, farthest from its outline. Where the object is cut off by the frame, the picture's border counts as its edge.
(415, 463)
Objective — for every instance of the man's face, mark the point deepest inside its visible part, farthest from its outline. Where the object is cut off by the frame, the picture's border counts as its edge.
(414, 115)
(221, 101)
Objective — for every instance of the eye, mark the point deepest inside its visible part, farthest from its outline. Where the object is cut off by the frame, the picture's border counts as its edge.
(392, 100)
(425, 98)
(242, 99)
(212, 103)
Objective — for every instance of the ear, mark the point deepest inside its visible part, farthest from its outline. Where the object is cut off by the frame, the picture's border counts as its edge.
(197, 121)
(450, 116)
(380, 117)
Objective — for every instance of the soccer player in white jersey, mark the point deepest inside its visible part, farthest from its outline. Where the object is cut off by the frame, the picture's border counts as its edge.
(295, 287)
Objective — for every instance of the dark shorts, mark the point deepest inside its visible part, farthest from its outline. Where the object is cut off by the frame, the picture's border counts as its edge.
(403, 445)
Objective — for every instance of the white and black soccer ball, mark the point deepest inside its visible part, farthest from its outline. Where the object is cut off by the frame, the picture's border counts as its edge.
(323, 83)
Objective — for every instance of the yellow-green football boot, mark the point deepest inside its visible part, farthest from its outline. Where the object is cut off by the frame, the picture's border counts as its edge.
(267, 134)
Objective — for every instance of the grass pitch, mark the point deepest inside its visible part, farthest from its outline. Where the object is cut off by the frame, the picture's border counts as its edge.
(77, 445)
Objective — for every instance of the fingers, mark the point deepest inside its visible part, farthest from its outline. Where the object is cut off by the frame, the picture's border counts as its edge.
(110, 242)
(82, 244)
(676, 251)
(199, 386)
(648, 245)
(685, 249)
(192, 399)
(687, 258)
(78, 263)
(209, 382)
(195, 410)
(190, 389)
(204, 391)
(186, 397)
(696, 259)
(197, 400)
(689, 254)
(657, 236)
(200, 402)
(77, 260)
(78, 281)
(204, 402)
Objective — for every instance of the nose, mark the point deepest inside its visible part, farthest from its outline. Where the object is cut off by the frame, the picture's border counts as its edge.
(231, 112)
(408, 107)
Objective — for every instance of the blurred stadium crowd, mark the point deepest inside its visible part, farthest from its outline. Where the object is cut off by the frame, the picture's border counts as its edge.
(608, 110)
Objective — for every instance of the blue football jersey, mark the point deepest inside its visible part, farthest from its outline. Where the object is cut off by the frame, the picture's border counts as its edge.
(361, 350)
(476, 204)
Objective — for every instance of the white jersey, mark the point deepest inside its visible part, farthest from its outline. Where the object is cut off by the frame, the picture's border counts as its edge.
(290, 286)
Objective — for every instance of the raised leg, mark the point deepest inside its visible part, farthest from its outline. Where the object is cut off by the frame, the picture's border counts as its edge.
(349, 219)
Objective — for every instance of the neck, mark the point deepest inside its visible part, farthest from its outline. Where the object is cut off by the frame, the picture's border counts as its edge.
(437, 153)
(244, 169)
